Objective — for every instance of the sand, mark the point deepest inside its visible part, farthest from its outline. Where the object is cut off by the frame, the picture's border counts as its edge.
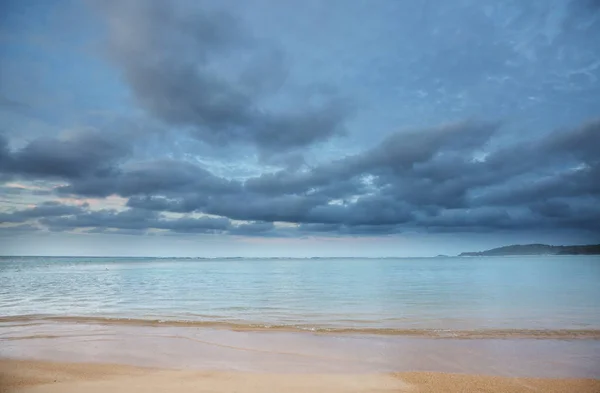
(117, 358)
(425, 382)
(39, 376)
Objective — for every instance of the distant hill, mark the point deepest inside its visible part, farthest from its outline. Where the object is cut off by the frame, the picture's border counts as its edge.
(536, 249)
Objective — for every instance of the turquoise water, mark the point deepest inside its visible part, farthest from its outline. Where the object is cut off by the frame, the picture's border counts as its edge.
(550, 292)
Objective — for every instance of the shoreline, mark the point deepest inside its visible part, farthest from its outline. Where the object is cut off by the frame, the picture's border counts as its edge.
(479, 333)
(202, 348)
(69, 355)
(28, 376)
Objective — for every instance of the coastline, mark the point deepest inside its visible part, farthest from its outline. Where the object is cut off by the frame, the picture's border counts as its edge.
(52, 377)
(478, 333)
(282, 351)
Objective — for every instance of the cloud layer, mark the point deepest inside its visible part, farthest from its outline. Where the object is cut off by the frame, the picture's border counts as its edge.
(449, 178)
(475, 117)
(169, 56)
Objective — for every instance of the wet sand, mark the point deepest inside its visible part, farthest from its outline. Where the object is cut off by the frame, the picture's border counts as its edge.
(67, 356)
(183, 347)
(248, 327)
(36, 376)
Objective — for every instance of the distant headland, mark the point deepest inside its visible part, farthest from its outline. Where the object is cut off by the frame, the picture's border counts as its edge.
(536, 249)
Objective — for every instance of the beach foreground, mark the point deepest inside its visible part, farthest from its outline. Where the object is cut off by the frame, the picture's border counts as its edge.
(82, 356)
(39, 376)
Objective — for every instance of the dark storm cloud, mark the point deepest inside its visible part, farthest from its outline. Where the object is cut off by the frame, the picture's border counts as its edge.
(135, 219)
(82, 155)
(398, 154)
(562, 164)
(248, 206)
(442, 178)
(447, 178)
(4, 151)
(167, 177)
(168, 54)
(93, 164)
(46, 209)
(419, 167)
(129, 219)
(581, 143)
(571, 183)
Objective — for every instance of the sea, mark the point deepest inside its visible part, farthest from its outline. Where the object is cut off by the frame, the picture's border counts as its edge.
(443, 294)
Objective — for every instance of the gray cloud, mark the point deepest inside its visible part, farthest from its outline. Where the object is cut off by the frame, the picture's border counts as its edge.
(168, 177)
(440, 179)
(195, 225)
(129, 219)
(135, 220)
(81, 155)
(430, 178)
(169, 56)
(109, 231)
(46, 209)
(447, 178)
(230, 112)
(4, 152)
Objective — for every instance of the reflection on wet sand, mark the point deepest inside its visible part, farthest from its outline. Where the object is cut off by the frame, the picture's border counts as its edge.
(193, 347)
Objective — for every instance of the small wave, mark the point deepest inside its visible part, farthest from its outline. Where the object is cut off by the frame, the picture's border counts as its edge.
(240, 326)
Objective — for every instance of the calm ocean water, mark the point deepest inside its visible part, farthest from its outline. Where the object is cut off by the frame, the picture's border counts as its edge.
(551, 292)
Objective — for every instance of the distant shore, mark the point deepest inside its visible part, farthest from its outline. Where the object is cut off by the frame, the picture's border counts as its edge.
(536, 249)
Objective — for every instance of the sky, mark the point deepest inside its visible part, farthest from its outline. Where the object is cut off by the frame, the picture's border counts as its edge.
(297, 128)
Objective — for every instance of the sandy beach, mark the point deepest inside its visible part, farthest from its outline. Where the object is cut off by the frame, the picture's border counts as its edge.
(37, 376)
(67, 357)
